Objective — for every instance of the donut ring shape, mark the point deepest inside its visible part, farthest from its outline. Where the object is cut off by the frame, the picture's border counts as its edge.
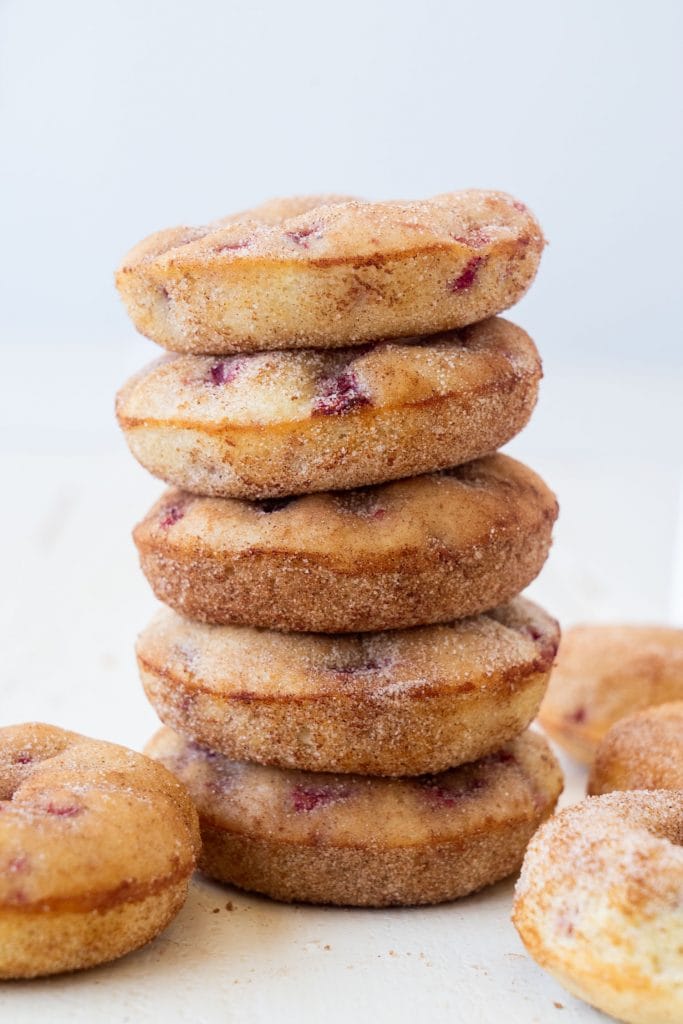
(281, 423)
(641, 751)
(330, 271)
(360, 841)
(599, 903)
(414, 552)
(80, 881)
(406, 702)
(604, 673)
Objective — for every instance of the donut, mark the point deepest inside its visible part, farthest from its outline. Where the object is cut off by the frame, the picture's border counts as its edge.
(406, 702)
(604, 673)
(282, 423)
(414, 552)
(330, 271)
(97, 846)
(356, 840)
(641, 751)
(599, 903)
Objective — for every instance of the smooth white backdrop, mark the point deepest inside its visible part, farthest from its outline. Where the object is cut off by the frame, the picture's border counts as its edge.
(122, 117)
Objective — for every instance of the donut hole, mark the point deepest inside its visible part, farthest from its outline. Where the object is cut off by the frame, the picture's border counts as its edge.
(18, 762)
(672, 831)
(15, 770)
(664, 824)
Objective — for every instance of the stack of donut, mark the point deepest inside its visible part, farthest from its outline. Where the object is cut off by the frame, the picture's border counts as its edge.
(344, 668)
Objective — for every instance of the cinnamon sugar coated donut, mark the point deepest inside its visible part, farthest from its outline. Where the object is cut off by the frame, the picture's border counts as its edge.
(361, 841)
(604, 673)
(330, 271)
(642, 751)
(419, 551)
(399, 703)
(97, 846)
(599, 903)
(279, 423)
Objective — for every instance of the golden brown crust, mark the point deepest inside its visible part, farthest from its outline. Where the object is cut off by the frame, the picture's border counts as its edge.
(642, 751)
(430, 549)
(35, 944)
(400, 703)
(362, 841)
(281, 423)
(330, 271)
(604, 673)
(75, 826)
(598, 903)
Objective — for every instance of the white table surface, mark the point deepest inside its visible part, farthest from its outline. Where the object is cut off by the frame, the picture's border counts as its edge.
(72, 602)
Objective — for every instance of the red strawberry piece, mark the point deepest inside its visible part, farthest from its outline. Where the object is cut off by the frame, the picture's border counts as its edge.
(304, 236)
(466, 279)
(63, 810)
(579, 716)
(172, 514)
(225, 371)
(339, 395)
(242, 243)
(475, 238)
(309, 798)
(17, 865)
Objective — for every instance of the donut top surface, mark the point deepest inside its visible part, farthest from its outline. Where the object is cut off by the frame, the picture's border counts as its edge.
(277, 388)
(604, 672)
(329, 229)
(331, 270)
(626, 847)
(424, 518)
(492, 650)
(515, 784)
(86, 824)
(604, 833)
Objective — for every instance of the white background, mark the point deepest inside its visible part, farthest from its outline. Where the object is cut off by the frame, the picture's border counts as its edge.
(122, 117)
(117, 118)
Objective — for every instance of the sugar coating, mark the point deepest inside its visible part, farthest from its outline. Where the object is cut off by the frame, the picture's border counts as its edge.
(76, 819)
(606, 672)
(399, 703)
(278, 423)
(641, 751)
(599, 903)
(360, 840)
(413, 552)
(329, 271)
